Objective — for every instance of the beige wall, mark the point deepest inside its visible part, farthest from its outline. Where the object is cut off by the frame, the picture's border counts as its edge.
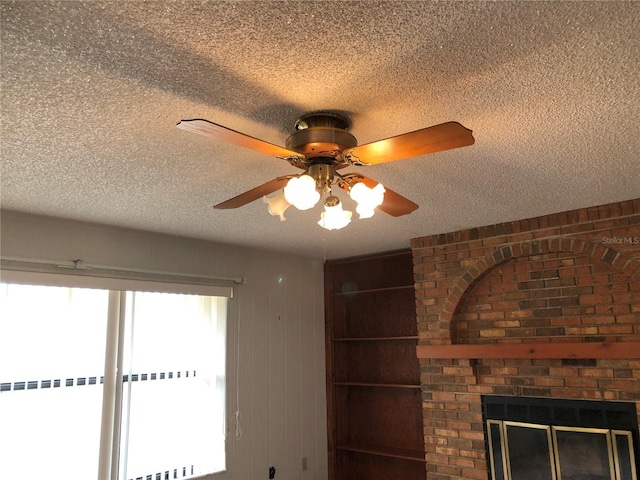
(278, 315)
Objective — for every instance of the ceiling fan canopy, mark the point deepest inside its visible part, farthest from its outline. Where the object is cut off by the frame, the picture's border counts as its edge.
(321, 145)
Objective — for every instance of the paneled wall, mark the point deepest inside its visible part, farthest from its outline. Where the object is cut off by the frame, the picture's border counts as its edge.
(276, 331)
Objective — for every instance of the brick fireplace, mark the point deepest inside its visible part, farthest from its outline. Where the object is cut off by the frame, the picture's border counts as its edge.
(547, 307)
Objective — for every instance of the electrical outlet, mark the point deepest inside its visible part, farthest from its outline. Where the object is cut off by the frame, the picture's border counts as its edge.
(305, 464)
(272, 473)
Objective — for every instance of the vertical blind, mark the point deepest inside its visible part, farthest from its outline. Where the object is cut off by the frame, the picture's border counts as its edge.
(51, 365)
(173, 400)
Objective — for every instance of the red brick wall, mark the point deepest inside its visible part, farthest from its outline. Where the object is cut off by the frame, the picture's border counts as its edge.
(566, 277)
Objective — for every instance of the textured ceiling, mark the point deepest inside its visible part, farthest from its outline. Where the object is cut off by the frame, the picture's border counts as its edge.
(92, 91)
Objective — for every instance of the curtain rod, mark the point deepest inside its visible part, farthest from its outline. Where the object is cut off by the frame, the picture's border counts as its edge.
(78, 267)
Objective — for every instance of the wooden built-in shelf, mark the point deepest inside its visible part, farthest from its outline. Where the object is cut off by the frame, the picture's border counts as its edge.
(415, 456)
(374, 339)
(374, 401)
(376, 385)
(372, 290)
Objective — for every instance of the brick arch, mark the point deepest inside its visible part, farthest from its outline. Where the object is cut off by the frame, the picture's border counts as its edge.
(484, 266)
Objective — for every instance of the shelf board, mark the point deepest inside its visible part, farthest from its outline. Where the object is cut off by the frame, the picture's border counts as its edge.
(374, 339)
(414, 456)
(372, 290)
(378, 385)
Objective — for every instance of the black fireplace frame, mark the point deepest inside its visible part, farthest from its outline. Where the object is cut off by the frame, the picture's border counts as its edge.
(595, 414)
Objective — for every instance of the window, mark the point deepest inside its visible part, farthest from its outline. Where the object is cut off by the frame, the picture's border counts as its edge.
(52, 354)
(65, 412)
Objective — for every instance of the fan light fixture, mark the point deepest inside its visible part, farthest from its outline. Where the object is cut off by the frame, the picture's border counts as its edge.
(301, 192)
(334, 217)
(367, 198)
(277, 205)
(304, 192)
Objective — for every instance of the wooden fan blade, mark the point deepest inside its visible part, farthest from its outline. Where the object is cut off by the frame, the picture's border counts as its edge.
(224, 134)
(421, 142)
(255, 193)
(393, 204)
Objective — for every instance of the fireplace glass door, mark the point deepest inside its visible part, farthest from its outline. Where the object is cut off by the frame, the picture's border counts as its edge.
(527, 451)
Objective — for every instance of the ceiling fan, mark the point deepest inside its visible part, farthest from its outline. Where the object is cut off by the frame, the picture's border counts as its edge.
(321, 146)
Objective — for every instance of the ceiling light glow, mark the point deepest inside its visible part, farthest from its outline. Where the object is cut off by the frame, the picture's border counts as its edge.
(301, 192)
(334, 217)
(367, 198)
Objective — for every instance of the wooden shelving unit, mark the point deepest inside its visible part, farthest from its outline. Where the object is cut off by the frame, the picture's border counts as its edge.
(373, 380)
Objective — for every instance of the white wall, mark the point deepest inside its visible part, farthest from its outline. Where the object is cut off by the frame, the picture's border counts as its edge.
(278, 314)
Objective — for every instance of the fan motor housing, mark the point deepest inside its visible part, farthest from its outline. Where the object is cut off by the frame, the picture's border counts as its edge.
(321, 135)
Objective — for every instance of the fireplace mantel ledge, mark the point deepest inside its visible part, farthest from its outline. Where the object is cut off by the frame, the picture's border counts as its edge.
(589, 350)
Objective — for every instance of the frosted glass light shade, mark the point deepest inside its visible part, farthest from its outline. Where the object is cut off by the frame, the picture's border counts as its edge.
(334, 217)
(367, 198)
(277, 204)
(301, 192)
